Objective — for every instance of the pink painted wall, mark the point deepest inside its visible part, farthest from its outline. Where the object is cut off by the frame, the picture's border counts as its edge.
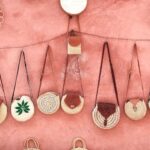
(31, 21)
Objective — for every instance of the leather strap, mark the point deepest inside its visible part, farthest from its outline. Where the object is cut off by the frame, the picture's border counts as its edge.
(2, 86)
(106, 48)
(65, 74)
(135, 53)
(22, 54)
(47, 54)
(78, 22)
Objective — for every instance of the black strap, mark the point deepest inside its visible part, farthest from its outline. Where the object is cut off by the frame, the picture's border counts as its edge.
(27, 75)
(135, 53)
(65, 74)
(2, 86)
(47, 54)
(69, 32)
(106, 48)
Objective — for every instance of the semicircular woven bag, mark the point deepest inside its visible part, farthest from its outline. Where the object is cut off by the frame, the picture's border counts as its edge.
(135, 108)
(33, 142)
(75, 147)
(106, 115)
(136, 111)
(72, 103)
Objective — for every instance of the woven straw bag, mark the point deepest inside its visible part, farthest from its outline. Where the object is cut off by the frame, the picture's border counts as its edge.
(34, 142)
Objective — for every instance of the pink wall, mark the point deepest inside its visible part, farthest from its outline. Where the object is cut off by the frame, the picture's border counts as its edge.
(31, 21)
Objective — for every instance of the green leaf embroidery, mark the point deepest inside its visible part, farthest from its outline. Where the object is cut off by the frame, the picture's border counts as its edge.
(23, 107)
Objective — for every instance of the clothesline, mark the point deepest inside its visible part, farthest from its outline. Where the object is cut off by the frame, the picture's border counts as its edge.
(79, 32)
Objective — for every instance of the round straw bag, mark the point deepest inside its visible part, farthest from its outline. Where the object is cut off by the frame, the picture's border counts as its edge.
(135, 108)
(35, 143)
(22, 108)
(72, 102)
(135, 111)
(49, 102)
(73, 7)
(106, 115)
(75, 147)
(3, 105)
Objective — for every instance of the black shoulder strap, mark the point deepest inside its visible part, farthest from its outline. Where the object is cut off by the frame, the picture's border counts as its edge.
(47, 54)
(106, 48)
(22, 54)
(135, 53)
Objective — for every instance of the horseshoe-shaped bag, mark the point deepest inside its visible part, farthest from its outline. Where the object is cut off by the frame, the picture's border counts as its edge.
(22, 108)
(28, 142)
(75, 147)
(72, 103)
(135, 108)
(106, 115)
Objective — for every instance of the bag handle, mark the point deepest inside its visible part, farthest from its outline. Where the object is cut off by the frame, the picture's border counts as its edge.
(47, 55)
(22, 54)
(79, 140)
(65, 74)
(135, 53)
(2, 86)
(106, 48)
(27, 143)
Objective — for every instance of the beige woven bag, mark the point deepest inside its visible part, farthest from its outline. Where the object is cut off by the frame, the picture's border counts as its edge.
(75, 147)
(3, 104)
(135, 108)
(106, 115)
(48, 102)
(22, 107)
(29, 142)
